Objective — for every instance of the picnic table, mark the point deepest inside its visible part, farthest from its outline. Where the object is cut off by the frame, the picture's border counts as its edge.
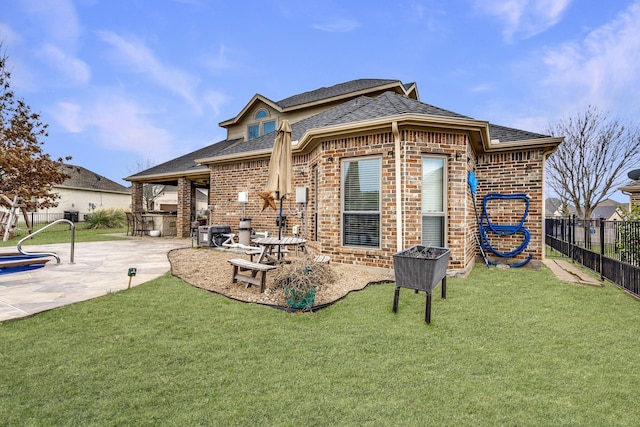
(274, 248)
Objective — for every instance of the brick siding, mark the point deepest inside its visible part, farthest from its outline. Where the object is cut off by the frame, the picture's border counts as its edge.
(505, 172)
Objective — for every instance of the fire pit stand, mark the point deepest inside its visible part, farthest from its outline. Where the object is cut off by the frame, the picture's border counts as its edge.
(421, 268)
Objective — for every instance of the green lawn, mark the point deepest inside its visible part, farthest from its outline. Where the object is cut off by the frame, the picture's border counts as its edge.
(61, 233)
(508, 347)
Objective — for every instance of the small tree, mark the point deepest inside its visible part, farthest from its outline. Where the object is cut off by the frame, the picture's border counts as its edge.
(628, 241)
(25, 170)
(587, 167)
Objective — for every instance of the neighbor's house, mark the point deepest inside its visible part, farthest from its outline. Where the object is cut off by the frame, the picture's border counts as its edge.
(382, 172)
(554, 208)
(85, 191)
(608, 210)
(166, 199)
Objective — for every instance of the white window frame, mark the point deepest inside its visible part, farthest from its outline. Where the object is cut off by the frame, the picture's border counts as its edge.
(260, 122)
(445, 185)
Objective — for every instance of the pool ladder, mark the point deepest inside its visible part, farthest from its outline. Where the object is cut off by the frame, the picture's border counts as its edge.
(72, 227)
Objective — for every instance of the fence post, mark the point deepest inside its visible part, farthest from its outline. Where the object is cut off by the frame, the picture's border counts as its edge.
(572, 237)
(601, 248)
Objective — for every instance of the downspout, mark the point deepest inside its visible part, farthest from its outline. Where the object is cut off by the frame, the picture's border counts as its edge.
(399, 219)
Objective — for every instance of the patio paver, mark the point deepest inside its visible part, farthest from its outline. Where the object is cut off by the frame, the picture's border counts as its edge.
(99, 268)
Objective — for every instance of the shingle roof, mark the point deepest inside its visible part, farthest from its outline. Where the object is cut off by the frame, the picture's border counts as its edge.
(333, 91)
(503, 134)
(82, 178)
(355, 110)
(605, 212)
(186, 163)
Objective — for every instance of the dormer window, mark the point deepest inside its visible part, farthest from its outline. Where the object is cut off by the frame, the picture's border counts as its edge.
(265, 124)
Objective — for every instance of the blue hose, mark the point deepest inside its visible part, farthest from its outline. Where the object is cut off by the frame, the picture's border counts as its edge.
(486, 226)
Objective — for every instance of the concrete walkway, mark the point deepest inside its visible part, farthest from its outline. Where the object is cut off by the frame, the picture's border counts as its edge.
(568, 272)
(99, 268)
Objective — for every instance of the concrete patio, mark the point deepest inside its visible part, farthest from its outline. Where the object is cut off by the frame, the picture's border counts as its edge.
(99, 268)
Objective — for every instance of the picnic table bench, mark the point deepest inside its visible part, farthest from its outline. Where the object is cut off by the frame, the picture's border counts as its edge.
(241, 266)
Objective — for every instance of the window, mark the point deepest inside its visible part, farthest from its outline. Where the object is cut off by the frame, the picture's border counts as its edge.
(268, 127)
(433, 201)
(261, 126)
(254, 131)
(361, 203)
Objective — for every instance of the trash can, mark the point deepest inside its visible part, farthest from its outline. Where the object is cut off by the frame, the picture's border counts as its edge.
(244, 231)
(217, 234)
(71, 216)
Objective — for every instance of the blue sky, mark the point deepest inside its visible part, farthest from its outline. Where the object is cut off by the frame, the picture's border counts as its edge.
(125, 84)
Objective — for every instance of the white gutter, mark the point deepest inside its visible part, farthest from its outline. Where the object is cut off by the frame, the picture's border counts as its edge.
(399, 219)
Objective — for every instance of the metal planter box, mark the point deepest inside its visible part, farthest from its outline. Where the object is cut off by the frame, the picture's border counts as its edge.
(421, 268)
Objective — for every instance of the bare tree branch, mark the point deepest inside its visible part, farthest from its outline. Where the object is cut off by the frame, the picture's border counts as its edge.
(587, 167)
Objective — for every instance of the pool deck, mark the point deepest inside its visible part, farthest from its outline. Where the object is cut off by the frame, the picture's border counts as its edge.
(99, 268)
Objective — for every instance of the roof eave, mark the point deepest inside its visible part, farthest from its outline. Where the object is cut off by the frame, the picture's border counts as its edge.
(230, 158)
(98, 190)
(257, 97)
(477, 130)
(548, 143)
(630, 188)
(169, 175)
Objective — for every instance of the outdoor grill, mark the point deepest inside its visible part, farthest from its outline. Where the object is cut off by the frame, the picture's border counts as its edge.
(421, 268)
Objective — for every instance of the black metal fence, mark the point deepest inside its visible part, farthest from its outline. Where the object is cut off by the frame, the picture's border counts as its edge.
(37, 219)
(610, 248)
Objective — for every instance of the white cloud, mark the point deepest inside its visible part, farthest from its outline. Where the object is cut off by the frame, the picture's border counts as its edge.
(482, 87)
(75, 69)
(215, 100)
(602, 69)
(68, 116)
(59, 18)
(8, 36)
(219, 61)
(339, 26)
(524, 18)
(119, 123)
(142, 60)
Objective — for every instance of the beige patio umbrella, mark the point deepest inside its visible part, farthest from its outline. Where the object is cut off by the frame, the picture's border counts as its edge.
(281, 167)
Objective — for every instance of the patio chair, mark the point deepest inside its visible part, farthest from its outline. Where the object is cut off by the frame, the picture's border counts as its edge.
(131, 224)
(143, 224)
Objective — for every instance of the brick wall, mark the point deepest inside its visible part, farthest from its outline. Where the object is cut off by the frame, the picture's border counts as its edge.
(509, 173)
(497, 173)
(186, 205)
(136, 197)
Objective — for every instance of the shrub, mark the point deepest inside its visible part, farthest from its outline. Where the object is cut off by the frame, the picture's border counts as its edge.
(106, 218)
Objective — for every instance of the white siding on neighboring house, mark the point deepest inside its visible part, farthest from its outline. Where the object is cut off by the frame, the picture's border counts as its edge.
(79, 200)
(85, 191)
(168, 197)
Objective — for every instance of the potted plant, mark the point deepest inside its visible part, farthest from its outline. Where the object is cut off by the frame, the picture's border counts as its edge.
(300, 280)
